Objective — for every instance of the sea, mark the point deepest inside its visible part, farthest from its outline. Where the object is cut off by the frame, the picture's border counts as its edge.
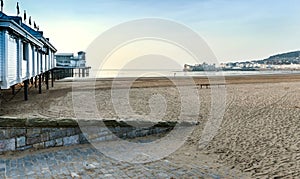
(174, 73)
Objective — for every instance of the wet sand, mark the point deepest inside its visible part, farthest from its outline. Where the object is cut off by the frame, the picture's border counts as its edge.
(258, 137)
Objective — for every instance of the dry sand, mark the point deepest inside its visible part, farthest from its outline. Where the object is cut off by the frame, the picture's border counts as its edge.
(258, 138)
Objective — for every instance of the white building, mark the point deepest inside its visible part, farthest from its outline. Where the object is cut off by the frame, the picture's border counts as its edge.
(69, 60)
(24, 52)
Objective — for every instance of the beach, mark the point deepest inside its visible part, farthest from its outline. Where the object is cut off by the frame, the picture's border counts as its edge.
(258, 137)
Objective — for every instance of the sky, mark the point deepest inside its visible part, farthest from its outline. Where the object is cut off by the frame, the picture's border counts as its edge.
(235, 30)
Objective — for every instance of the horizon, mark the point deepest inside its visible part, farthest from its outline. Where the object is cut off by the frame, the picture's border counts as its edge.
(234, 30)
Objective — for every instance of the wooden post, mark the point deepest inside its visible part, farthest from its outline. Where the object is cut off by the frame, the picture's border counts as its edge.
(40, 84)
(47, 80)
(13, 90)
(52, 78)
(31, 81)
(35, 81)
(72, 72)
(26, 90)
(83, 72)
(79, 72)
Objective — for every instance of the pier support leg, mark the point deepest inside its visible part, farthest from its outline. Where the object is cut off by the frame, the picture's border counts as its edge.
(47, 80)
(72, 72)
(35, 81)
(79, 73)
(40, 84)
(26, 82)
(52, 78)
(31, 81)
(13, 90)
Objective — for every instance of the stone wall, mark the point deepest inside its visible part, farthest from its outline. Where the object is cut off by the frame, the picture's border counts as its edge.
(24, 134)
(24, 138)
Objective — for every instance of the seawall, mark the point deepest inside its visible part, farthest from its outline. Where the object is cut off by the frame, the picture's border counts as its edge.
(34, 134)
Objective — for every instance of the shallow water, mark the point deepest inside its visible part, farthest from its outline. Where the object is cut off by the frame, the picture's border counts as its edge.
(172, 73)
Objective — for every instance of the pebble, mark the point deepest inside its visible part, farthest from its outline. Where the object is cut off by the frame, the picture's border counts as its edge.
(74, 175)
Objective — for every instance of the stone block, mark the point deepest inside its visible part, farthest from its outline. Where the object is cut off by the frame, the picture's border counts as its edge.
(24, 148)
(21, 141)
(44, 137)
(131, 134)
(59, 142)
(57, 134)
(103, 133)
(83, 139)
(78, 130)
(7, 145)
(33, 132)
(71, 140)
(111, 137)
(50, 143)
(37, 139)
(46, 130)
(99, 139)
(70, 131)
(16, 132)
(39, 146)
(33, 140)
(3, 134)
(92, 136)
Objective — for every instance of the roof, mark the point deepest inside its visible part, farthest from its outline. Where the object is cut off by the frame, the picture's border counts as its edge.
(65, 54)
(20, 27)
(3, 16)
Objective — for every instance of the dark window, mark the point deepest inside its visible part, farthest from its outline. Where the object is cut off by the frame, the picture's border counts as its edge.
(25, 51)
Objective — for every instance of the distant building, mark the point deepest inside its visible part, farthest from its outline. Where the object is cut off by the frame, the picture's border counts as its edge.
(24, 52)
(69, 65)
(200, 67)
(69, 60)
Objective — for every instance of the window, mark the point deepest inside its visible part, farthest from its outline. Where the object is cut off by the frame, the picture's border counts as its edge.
(25, 51)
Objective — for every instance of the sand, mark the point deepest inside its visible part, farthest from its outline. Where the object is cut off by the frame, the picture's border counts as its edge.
(258, 137)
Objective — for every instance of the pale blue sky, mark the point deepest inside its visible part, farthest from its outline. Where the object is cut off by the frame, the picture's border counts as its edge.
(234, 29)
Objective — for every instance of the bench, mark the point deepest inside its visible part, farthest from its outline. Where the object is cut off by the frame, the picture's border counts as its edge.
(207, 85)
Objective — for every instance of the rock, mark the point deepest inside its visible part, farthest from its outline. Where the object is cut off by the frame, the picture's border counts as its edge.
(89, 166)
(187, 154)
(75, 175)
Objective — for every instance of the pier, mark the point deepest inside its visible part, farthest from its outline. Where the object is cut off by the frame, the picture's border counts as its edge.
(27, 57)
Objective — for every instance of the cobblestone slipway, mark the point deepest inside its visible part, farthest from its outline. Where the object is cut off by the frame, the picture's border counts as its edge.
(84, 161)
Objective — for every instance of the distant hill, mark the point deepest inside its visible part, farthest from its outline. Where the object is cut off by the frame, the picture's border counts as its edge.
(285, 58)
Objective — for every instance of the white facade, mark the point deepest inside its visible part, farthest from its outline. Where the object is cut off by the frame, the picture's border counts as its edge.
(24, 52)
(69, 60)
